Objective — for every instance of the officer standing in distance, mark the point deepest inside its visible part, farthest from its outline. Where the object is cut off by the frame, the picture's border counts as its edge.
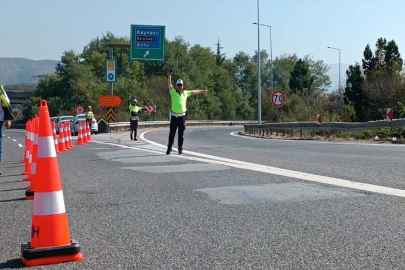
(134, 111)
(89, 115)
(178, 111)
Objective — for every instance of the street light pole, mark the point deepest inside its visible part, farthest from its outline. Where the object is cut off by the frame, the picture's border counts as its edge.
(258, 67)
(271, 55)
(340, 88)
(271, 63)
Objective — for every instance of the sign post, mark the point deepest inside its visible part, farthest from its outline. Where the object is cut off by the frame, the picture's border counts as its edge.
(79, 109)
(110, 70)
(278, 100)
(147, 43)
(389, 114)
(109, 101)
(319, 120)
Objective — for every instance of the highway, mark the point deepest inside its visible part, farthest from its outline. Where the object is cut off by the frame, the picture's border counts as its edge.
(230, 202)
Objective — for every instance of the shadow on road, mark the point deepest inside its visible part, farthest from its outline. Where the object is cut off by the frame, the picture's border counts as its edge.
(12, 264)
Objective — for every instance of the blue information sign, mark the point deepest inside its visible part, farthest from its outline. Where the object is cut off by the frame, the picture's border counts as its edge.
(147, 38)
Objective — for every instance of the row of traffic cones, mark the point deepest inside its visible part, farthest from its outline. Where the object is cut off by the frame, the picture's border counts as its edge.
(50, 239)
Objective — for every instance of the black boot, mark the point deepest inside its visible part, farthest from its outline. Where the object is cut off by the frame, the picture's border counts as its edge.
(169, 149)
(132, 137)
(180, 151)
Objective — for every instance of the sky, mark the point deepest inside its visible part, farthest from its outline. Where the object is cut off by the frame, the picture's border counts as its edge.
(44, 29)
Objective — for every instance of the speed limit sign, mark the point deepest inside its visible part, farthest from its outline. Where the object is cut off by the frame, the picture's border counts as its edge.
(278, 98)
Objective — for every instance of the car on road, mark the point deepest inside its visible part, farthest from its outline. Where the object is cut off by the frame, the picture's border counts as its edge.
(65, 118)
(82, 118)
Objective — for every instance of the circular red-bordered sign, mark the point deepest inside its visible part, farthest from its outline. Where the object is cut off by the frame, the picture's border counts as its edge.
(79, 109)
(278, 98)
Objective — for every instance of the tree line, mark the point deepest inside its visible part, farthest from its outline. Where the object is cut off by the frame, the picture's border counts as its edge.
(79, 79)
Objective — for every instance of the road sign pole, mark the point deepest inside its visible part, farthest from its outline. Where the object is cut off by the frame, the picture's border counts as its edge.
(278, 114)
(110, 55)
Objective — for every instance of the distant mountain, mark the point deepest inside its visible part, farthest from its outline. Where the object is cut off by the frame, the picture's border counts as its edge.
(15, 70)
(334, 75)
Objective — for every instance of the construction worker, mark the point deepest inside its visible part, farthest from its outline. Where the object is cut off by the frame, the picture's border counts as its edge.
(89, 115)
(6, 116)
(134, 111)
(178, 111)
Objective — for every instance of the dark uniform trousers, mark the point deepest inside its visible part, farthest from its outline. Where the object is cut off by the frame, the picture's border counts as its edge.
(180, 123)
(134, 128)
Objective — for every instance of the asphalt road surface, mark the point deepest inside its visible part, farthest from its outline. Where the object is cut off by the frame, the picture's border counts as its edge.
(230, 202)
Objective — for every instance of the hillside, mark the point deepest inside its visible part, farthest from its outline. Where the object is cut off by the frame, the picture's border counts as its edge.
(15, 70)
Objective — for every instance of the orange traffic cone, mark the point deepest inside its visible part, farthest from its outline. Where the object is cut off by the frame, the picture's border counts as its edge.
(65, 134)
(31, 124)
(55, 138)
(50, 238)
(27, 148)
(61, 144)
(80, 135)
(70, 136)
(84, 133)
(29, 193)
(89, 132)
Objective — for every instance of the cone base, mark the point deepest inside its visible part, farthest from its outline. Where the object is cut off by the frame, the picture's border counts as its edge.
(52, 255)
(29, 193)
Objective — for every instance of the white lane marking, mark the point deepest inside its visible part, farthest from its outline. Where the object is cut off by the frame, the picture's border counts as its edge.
(8, 137)
(288, 173)
(14, 140)
(315, 141)
(20, 145)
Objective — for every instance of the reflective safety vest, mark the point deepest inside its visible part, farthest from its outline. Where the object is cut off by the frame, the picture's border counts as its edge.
(5, 101)
(133, 112)
(89, 115)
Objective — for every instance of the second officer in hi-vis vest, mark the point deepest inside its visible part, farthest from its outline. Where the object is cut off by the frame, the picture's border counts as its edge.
(178, 111)
(134, 112)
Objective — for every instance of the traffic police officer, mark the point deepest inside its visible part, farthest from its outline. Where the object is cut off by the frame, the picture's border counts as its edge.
(178, 111)
(6, 115)
(89, 115)
(134, 117)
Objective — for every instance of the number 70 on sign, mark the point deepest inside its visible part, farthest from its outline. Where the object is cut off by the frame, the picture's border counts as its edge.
(278, 98)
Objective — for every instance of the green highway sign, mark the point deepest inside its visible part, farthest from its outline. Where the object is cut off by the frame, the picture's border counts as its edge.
(147, 43)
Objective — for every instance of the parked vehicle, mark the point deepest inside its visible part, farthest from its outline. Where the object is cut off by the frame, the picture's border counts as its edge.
(66, 118)
(82, 118)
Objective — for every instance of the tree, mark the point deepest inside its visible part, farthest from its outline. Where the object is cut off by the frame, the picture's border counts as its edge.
(220, 57)
(301, 79)
(354, 91)
(283, 66)
(386, 58)
(318, 70)
(383, 91)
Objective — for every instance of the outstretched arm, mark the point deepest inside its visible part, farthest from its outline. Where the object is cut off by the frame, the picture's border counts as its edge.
(169, 80)
(197, 92)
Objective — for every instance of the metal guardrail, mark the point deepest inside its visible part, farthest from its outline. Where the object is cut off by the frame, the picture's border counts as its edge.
(119, 126)
(256, 129)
